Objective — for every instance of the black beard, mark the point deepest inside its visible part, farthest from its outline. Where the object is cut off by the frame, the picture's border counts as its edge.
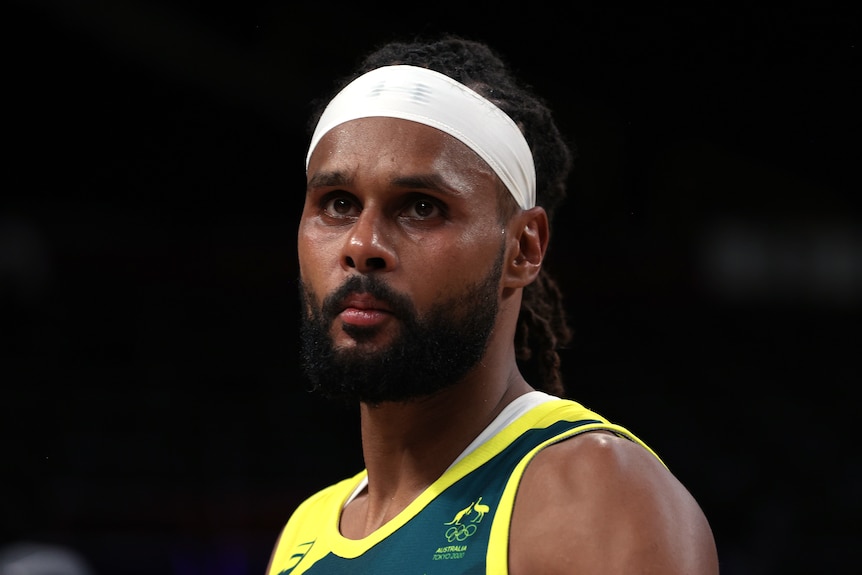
(431, 353)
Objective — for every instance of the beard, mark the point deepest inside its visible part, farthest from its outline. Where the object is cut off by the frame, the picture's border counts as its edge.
(431, 352)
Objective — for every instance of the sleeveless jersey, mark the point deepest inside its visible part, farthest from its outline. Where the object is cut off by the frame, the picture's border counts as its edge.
(458, 525)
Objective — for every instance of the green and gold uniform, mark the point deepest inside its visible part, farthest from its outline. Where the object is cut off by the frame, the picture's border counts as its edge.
(459, 525)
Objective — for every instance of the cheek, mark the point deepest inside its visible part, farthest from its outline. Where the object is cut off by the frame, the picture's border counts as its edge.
(450, 265)
(312, 244)
(481, 244)
(315, 258)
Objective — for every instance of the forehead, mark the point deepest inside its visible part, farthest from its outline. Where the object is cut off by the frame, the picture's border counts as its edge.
(396, 145)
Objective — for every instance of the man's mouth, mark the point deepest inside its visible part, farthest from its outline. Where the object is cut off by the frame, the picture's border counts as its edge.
(363, 310)
(364, 302)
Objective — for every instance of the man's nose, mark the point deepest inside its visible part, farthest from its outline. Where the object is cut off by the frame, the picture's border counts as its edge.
(368, 246)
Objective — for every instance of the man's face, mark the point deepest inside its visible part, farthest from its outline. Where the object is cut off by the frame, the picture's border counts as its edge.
(400, 252)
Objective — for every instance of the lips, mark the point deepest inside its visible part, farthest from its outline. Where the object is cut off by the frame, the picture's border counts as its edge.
(363, 310)
(363, 302)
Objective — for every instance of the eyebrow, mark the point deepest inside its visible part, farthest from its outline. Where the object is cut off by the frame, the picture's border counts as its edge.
(425, 182)
(431, 181)
(328, 179)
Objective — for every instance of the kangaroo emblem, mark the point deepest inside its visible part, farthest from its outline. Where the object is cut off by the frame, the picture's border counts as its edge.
(481, 509)
(460, 515)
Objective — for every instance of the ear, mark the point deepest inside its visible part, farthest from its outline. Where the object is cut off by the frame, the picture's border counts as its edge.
(529, 235)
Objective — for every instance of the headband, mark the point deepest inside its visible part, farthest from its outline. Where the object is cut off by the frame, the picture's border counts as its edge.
(436, 100)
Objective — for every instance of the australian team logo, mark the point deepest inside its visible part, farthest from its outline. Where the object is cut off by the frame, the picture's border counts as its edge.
(465, 522)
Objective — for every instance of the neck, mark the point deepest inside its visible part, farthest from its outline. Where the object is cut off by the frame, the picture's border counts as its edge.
(408, 445)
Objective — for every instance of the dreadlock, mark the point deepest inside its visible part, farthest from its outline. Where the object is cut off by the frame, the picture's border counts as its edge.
(542, 327)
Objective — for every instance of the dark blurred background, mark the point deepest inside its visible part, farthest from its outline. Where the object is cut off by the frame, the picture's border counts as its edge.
(153, 417)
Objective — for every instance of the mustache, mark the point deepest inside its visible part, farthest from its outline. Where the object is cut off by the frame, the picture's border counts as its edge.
(398, 304)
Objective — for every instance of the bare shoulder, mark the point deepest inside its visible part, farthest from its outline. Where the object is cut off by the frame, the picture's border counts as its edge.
(599, 503)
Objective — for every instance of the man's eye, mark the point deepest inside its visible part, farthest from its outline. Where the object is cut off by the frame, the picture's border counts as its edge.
(339, 207)
(422, 209)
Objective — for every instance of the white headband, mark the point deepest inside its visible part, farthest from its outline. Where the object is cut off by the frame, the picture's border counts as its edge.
(436, 100)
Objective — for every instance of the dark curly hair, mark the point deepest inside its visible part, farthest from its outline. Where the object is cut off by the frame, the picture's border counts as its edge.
(542, 328)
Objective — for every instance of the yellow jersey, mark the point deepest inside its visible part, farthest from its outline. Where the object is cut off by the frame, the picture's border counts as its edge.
(459, 525)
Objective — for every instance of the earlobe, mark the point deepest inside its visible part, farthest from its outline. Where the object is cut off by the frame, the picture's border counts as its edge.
(531, 232)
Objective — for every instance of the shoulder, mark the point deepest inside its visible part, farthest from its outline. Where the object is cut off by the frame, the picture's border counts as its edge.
(330, 498)
(314, 518)
(600, 503)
